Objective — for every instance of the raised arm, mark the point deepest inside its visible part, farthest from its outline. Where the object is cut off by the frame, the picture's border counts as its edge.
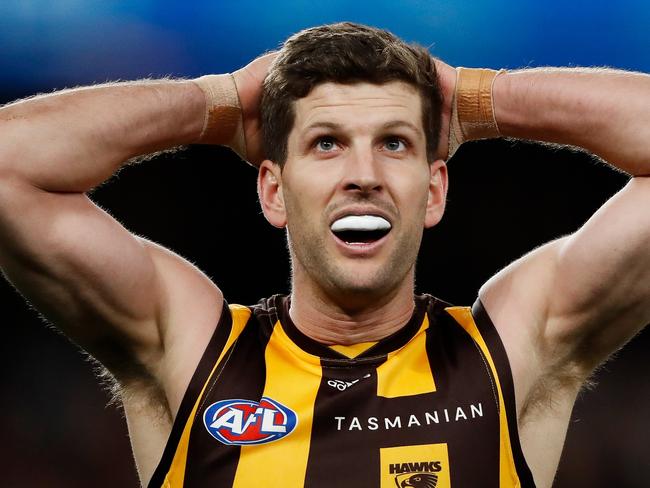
(114, 293)
(602, 110)
(578, 299)
(564, 308)
(77, 265)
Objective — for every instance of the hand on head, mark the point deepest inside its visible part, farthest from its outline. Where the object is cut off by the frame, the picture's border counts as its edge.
(447, 80)
(249, 80)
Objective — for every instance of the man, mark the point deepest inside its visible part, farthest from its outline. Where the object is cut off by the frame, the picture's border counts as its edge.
(350, 381)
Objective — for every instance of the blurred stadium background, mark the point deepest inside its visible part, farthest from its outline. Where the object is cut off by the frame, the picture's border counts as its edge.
(505, 199)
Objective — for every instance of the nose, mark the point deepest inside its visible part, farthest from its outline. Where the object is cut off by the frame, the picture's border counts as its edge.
(361, 171)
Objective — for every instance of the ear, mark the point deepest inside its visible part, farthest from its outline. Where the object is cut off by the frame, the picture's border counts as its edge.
(269, 191)
(438, 184)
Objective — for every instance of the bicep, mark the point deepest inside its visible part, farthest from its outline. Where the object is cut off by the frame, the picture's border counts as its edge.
(79, 267)
(576, 300)
(601, 294)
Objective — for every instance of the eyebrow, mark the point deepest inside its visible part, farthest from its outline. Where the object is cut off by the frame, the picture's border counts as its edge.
(323, 125)
(402, 123)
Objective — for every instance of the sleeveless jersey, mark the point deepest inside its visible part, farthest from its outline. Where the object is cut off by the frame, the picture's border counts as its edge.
(432, 405)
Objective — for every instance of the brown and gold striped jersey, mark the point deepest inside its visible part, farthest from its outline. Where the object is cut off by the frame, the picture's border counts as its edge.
(432, 405)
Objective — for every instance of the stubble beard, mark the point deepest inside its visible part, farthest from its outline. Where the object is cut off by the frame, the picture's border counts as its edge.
(308, 250)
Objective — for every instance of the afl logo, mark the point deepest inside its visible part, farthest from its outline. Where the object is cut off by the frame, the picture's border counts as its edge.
(244, 422)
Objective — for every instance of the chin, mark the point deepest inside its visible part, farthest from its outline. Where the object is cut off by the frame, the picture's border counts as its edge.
(361, 285)
(355, 280)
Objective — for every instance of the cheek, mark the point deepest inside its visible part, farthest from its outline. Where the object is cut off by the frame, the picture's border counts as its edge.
(414, 190)
(303, 211)
(308, 190)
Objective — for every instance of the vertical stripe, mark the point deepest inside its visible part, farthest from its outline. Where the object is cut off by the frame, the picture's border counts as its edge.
(507, 471)
(464, 380)
(293, 382)
(176, 476)
(502, 363)
(407, 370)
(340, 456)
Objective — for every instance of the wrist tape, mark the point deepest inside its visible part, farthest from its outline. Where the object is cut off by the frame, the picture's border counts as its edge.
(472, 115)
(223, 123)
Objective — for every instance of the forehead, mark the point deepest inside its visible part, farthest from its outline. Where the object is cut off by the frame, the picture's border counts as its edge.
(359, 104)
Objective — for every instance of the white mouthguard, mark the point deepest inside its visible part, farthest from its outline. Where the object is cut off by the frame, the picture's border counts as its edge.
(361, 223)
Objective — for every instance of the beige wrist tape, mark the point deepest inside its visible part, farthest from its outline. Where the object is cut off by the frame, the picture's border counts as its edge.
(472, 114)
(223, 122)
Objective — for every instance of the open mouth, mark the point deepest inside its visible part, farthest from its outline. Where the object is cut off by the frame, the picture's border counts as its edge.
(360, 229)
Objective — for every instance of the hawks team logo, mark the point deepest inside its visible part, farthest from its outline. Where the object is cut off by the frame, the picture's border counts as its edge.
(420, 475)
(244, 422)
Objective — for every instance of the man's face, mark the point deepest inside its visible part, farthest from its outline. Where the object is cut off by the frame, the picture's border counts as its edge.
(356, 190)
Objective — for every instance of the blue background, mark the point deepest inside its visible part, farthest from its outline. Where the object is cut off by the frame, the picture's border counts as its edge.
(70, 42)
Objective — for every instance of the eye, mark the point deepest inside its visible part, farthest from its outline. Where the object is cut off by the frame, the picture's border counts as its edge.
(394, 144)
(326, 144)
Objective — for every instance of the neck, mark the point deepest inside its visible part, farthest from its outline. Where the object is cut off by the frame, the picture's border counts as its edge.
(339, 320)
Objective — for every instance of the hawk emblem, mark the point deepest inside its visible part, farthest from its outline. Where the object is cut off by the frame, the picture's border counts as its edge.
(417, 480)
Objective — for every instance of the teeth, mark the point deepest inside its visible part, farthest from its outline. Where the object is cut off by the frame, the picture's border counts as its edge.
(360, 222)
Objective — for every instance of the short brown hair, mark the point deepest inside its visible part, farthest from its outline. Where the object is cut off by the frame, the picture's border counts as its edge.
(344, 53)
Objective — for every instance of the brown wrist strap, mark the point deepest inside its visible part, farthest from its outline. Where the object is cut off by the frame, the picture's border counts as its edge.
(223, 122)
(472, 114)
